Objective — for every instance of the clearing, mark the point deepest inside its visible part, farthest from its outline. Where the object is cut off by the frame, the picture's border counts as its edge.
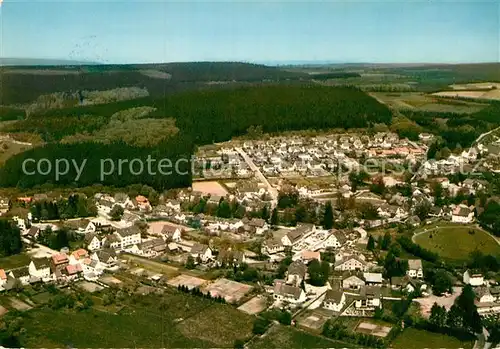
(416, 339)
(211, 187)
(254, 305)
(279, 337)
(443, 240)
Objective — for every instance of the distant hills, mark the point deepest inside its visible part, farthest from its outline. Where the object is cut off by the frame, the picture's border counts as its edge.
(40, 62)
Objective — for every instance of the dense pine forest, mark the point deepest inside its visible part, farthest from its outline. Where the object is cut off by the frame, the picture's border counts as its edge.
(202, 117)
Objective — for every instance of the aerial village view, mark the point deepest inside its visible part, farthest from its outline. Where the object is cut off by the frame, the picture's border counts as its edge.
(249, 175)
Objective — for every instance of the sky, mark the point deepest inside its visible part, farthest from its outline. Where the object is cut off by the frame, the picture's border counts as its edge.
(125, 31)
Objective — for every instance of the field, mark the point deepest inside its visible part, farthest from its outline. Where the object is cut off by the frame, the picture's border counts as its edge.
(454, 241)
(212, 188)
(287, 337)
(186, 280)
(254, 305)
(231, 291)
(16, 261)
(175, 320)
(416, 339)
(425, 102)
(374, 329)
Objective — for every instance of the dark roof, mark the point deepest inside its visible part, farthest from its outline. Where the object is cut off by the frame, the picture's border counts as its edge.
(297, 268)
(340, 236)
(283, 289)
(89, 237)
(41, 262)
(199, 248)
(20, 272)
(33, 231)
(333, 296)
(133, 230)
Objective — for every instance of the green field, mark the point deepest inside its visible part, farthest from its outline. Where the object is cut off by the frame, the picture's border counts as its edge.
(16, 261)
(454, 241)
(416, 339)
(287, 337)
(174, 320)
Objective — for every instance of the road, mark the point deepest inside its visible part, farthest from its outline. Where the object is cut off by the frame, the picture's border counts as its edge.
(484, 135)
(259, 175)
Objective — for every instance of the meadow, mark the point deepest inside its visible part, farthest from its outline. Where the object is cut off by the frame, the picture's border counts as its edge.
(456, 242)
(416, 339)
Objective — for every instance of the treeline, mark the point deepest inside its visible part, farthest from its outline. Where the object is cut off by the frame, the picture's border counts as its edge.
(177, 150)
(72, 207)
(10, 238)
(338, 75)
(24, 88)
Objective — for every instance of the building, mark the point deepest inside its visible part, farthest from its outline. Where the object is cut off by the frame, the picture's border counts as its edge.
(288, 293)
(463, 214)
(334, 300)
(93, 242)
(352, 263)
(58, 263)
(272, 246)
(353, 282)
(472, 278)
(372, 279)
(415, 269)
(370, 298)
(308, 256)
(171, 233)
(296, 273)
(128, 236)
(483, 295)
(40, 267)
(22, 274)
(203, 252)
(106, 258)
(293, 237)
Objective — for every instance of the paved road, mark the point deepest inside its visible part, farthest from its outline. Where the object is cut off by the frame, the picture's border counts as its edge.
(262, 178)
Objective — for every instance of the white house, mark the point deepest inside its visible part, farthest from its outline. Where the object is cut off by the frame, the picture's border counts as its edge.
(106, 258)
(171, 233)
(22, 274)
(40, 267)
(415, 269)
(370, 298)
(373, 278)
(296, 273)
(293, 237)
(483, 295)
(334, 300)
(93, 242)
(335, 239)
(353, 282)
(463, 214)
(353, 263)
(473, 279)
(201, 251)
(129, 236)
(288, 293)
(272, 246)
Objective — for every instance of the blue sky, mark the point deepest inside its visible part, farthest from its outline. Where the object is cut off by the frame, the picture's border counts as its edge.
(166, 31)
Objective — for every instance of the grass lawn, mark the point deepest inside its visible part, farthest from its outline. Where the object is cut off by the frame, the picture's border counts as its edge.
(455, 242)
(279, 337)
(15, 261)
(416, 339)
(174, 320)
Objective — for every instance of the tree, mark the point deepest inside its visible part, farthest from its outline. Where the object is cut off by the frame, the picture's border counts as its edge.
(438, 316)
(470, 317)
(386, 241)
(370, 246)
(318, 272)
(260, 326)
(190, 264)
(395, 267)
(239, 344)
(265, 213)
(422, 210)
(116, 213)
(368, 211)
(10, 238)
(274, 217)
(441, 282)
(328, 216)
(224, 209)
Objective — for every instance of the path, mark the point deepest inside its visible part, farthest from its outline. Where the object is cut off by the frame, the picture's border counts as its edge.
(484, 135)
(260, 176)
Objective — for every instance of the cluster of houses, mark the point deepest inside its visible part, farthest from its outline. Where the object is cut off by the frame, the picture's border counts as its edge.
(487, 292)
(60, 267)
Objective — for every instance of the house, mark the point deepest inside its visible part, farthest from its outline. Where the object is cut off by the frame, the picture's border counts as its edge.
(372, 279)
(334, 300)
(472, 278)
(295, 236)
(336, 239)
(152, 247)
(33, 233)
(143, 203)
(353, 282)
(483, 295)
(370, 298)
(40, 267)
(129, 236)
(258, 224)
(415, 269)
(307, 256)
(107, 258)
(4, 204)
(171, 233)
(462, 214)
(288, 293)
(272, 246)
(59, 262)
(92, 241)
(296, 273)
(22, 274)
(353, 263)
(203, 252)
(73, 271)
(406, 284)
(78, 256)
